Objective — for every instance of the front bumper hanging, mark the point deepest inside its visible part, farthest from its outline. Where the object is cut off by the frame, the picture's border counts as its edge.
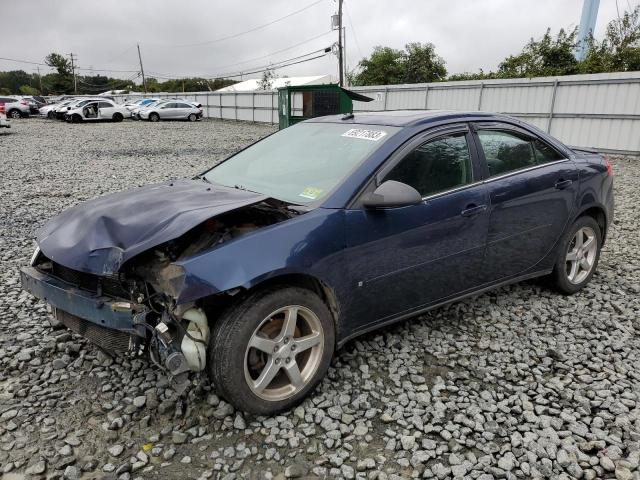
(106, 321)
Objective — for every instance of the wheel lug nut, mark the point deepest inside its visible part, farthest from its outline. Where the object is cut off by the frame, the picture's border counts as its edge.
(277, 361)
(293, 347)
(286, 340)
(287, 360)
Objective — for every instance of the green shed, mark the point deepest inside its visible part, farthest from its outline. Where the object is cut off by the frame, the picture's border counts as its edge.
(299, 103)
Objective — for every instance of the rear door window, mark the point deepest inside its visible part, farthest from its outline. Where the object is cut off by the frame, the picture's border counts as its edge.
(508, 151)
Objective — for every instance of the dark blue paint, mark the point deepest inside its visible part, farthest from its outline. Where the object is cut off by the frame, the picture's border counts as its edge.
(77, 302)
(379, 266)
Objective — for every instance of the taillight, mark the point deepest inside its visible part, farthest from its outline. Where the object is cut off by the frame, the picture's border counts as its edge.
(2, 108)
(607, 162)
(23, 102)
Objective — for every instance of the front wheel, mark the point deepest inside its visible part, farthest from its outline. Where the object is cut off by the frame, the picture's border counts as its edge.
(578, 256)
(117, 117)
(15, 114)
(154, 117)
(192, 117)
(270, 351)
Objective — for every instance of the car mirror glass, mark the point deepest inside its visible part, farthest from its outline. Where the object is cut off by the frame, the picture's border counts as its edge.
(392, 194)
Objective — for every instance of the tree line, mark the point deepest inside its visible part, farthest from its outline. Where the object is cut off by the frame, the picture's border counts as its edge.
(61, 81)
(551, 55)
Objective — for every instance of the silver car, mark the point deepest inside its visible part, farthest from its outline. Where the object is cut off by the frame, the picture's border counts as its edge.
(171, 110)
(15, 107)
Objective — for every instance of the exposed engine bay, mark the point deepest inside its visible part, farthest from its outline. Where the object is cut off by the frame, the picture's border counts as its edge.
(175, 336)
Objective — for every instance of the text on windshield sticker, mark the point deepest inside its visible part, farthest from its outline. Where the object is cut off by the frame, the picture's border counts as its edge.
(373, 135)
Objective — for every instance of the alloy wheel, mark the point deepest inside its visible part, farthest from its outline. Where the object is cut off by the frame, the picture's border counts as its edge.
(284, 353)
(581, 255)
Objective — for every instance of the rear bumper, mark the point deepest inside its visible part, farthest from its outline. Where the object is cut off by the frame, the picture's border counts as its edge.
(104, 312)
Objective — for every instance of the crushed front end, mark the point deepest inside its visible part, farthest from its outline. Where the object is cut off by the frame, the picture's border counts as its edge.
(136, 309)
(122, 315)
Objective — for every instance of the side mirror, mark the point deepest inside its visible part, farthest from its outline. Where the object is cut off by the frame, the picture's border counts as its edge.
(392, 194)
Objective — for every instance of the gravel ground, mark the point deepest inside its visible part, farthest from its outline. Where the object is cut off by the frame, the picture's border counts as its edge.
(516, 383)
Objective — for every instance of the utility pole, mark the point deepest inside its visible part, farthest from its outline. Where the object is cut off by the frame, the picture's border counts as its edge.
(340, 62)
(40, 80)
(73, 69)
(344, 56)
(144, 80)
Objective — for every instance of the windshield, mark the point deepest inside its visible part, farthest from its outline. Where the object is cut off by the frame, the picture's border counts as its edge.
(302, 163)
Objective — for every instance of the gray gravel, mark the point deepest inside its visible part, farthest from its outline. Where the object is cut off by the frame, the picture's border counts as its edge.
(516, 383)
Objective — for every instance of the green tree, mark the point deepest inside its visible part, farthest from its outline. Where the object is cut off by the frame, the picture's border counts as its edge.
(619, 51)
(28, 90)
(545, 57)
(417, 63)
(62, 80)
(422, 64)
(383, 67)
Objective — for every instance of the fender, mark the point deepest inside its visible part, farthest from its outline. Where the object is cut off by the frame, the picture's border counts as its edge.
(302, 245)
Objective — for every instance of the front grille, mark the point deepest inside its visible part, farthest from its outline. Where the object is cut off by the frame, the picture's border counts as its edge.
(110, 340)
(110, 285)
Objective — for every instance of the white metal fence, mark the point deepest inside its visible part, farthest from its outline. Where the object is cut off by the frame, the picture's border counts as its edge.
(600, 110)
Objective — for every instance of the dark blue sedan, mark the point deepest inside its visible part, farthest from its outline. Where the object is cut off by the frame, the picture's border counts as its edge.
(258, 269)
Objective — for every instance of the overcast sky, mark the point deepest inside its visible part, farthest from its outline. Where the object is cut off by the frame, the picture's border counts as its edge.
(178, 38)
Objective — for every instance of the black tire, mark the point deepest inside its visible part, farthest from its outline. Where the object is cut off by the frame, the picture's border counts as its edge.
(192, 117)
(154, 117)
(51, 115)
(228, 351)
(117, 117)
(75, 118)
(559, 277)
(14, 113)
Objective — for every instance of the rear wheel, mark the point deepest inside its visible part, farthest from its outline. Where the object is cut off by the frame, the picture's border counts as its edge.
(117, 117)
(578, 256)
(154, 117)
(14, 113)
(192, 118)
(270, 351)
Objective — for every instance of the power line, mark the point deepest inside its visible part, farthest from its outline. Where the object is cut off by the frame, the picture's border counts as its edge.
(236, 35)
(237, 73)
(277, 51)
(23, 61)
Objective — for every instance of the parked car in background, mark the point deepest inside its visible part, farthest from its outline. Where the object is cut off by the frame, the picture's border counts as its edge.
(15, 107)
(4, 123)
(49, 110)
(94, 110)
(62, 110)
(35, 103)
(171, 110)
(140, 102)
(264, 265)
(135, 111)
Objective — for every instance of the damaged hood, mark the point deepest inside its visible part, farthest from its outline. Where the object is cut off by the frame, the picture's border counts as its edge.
(99, 235)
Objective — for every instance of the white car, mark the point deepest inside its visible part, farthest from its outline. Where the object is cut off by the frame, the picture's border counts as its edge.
(94, 110)
(15, 107)
(4, 123)
(171, 110)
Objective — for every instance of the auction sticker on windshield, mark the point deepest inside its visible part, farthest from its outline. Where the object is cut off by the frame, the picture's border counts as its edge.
(373, 135)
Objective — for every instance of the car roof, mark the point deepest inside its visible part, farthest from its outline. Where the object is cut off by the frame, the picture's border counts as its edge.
(405, 118)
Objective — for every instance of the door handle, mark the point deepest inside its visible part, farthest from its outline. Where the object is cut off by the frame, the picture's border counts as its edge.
(562, 184)
(473, 210)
